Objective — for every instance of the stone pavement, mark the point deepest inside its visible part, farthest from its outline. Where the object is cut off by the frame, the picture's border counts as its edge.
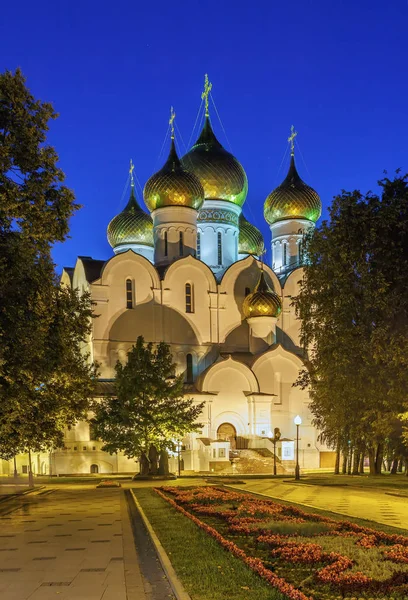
(76, 543)
(373, 504)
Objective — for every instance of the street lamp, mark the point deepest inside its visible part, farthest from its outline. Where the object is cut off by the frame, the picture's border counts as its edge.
(297, 421)
(276, 437)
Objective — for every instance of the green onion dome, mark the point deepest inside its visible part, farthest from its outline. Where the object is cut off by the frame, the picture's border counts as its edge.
(131, 226)
(250, 240)
(173, 186)
(293, 199)
(262, 302)
(221, 175)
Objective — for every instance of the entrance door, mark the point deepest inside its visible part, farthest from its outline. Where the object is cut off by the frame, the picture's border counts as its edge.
(94, 469)
(226, 431)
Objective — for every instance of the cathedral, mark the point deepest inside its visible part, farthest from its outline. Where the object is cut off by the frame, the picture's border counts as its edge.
(190, 272)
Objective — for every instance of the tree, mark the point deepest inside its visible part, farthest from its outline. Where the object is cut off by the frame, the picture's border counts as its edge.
(46, 378)
(353, 306)
(149, 411)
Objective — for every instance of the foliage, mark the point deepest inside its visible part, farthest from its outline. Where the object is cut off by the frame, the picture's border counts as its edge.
(149, 408)
(45, 375)
(353, 306)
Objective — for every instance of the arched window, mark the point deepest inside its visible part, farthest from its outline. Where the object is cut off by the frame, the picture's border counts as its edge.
(166, 244)
(189, 298)
(300, 251)
(189, 368)
(181, 248)
(285, 254)
(129, 293)
(219, 248)
(198, 245)
(247, 291)
(94, 469)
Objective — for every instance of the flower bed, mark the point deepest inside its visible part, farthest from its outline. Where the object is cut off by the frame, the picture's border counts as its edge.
(302, 555)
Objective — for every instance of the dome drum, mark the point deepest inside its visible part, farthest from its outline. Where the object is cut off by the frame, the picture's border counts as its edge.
(262, 327)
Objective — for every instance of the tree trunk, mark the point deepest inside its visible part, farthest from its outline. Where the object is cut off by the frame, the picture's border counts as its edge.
(400, 465)
(350, 460)
(394, 466)
(344, 465)
(406, 467)
(144, 465)
(153, 458)
(163, 463)
(379, 459)
(337, 464)
(30, 471)
(362, 463)
(371, 456)
(356, 462)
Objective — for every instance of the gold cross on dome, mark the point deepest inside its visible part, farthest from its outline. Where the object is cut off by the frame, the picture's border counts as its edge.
(131, 169)
(171, 122)
(206, 93)
(291, 139)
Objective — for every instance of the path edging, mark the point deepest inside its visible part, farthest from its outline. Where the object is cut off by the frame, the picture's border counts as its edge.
(175, 583)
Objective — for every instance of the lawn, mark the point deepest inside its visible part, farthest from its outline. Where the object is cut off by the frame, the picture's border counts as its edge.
(301, 553)
(205, 569)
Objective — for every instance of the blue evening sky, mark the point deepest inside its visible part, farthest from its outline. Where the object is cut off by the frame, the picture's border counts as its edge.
(337, 70)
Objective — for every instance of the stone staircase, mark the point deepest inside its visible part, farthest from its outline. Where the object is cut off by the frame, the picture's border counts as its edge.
(256, 461)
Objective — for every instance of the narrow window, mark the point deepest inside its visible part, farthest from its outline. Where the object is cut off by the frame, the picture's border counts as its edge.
(189, 298)
(198, 245)
(181, 244)
(284, 255)
(247, 291)
(189, 365)
(219, 246)
(300, 251)
(166, 245)
(129, 293)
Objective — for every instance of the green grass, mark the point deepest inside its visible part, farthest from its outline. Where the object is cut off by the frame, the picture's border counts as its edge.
(393, 482)
(206, 570)
(326, 513)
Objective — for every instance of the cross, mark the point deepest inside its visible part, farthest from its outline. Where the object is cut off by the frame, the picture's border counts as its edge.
(171, 122)
(206, 93)
(291, 139)
(131, 169)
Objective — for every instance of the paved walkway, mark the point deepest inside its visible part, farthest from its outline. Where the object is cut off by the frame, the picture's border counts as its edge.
(375, 505)
(75, 543)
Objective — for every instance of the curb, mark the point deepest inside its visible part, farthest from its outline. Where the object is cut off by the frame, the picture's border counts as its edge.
(168, 569)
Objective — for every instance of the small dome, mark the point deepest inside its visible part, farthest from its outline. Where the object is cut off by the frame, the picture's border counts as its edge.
(263, 302)
(250, 239)
(131, 226)
(221, 175)
(173, 186)
(293, 199)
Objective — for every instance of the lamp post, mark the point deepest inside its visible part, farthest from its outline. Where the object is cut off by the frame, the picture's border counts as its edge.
(276, 437)
(297, 421)
(178, 456)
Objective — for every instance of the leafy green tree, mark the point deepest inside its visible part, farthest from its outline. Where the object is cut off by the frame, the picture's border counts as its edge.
(149, 411)
(46, 378)
(353, 306)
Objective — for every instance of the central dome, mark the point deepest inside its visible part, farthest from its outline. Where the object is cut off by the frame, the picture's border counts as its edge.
(173, 186)
(221, 175)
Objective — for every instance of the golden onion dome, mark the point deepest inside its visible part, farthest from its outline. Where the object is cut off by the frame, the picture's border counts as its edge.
(173, 186)
(292, 199)
(250, 240)
(263, 301)
(221, 175)
(131, 226)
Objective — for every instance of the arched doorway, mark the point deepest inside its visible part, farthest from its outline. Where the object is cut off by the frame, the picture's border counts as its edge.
(94, 469)
(227, 431)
